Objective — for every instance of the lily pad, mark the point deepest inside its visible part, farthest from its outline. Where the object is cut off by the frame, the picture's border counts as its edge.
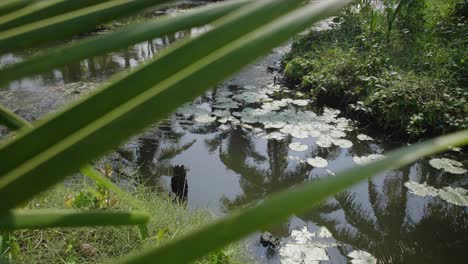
(421, 189)
(324, 142)
(367, 159)
(297, 146)
(448, 165)
(205, 119)
(363, 137)
(224, 127)
(342, 143)
(300, 102)
(300, 134)
(318, 162)
(457, 196)
(361, 257)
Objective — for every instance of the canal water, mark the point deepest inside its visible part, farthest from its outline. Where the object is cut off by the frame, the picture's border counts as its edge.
(249, 137)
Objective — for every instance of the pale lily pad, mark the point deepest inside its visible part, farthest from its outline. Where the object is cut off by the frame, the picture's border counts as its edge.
(205, 119)
(421, 189)
(224, 127)
(275, 135)
(293, 253)
(363, 137)
(318, 162)
(361, 257)
(457, 196)
(367, 159)
(221, 113)
(342, 143)
(276, 125)
(448, 165)
(324, 142)
(300, 134)
(270, 106)
(297, 146)
(302, 236)
(300, 102)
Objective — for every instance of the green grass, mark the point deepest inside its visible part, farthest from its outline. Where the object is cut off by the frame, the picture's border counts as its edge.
(168, 220)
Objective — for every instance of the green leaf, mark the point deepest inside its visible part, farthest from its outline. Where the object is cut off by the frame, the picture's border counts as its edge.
(11, 120)
(15, 122)
(277, 208)
(7, 6)
(41, 10)
(35, 218)
(69, 24)
(117, 40)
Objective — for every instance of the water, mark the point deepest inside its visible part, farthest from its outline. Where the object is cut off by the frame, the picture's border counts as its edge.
(234, 167)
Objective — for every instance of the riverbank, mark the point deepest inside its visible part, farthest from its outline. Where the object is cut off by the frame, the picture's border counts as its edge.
(400, 69)
(168, 220)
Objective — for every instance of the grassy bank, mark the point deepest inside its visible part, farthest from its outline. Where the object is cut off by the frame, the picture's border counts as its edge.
(104, 244)
(400, 66)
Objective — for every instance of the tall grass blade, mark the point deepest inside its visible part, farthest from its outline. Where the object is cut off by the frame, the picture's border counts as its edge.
(46, 218)
(117, 40)
(97, 136)
(41, 10)
(69, 24)
(279, 207)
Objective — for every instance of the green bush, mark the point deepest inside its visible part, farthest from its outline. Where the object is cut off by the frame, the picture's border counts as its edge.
(405, 64)
(419, 105)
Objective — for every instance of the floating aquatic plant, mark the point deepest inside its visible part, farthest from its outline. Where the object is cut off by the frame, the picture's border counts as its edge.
(318, 162)
(297, 146)
(205, 119)
(342, 143)
(421, 189)
(361, 257)
(300, 102)
(306, 247)
(456, 196)
(363, 137)
(367, 159)
(448, 165)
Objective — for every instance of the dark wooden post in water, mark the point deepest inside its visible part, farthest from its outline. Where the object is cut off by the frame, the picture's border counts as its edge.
(179, 184)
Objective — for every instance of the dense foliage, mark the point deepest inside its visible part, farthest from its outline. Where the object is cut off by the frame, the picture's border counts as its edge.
(398, 64)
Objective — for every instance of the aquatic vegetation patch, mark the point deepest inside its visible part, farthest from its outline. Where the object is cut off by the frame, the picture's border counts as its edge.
(361, 257)
(317, 162)
(363, 137)
(297, 146)
(457, 196)
(205, 119)
(367, 159)
(342, 143)
(448, 165)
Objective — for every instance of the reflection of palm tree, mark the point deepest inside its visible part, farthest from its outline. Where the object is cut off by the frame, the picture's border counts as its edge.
(385, 229)
(256, 182)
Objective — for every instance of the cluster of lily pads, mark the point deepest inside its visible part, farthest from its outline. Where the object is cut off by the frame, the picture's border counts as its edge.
(304, 246)
(456, 196)
(256, 110)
